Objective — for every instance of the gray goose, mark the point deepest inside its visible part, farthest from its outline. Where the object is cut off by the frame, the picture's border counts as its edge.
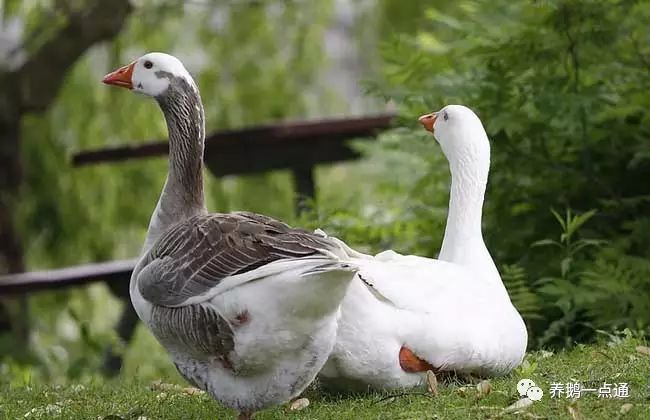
(246, 305)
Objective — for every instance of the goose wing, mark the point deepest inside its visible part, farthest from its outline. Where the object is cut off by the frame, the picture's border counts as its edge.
(208, 254)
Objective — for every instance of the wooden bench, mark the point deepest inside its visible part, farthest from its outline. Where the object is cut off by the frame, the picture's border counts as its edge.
(296, 146)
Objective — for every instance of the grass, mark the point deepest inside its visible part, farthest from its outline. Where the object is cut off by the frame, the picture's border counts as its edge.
(619, 360)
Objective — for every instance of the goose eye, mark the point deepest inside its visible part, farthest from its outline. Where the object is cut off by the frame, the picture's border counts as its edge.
(445, 116)
(148, 64)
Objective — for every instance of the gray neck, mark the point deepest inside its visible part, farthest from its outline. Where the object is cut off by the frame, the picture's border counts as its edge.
(182, 196)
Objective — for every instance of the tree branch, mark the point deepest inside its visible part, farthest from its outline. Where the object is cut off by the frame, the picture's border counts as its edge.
(39, 79)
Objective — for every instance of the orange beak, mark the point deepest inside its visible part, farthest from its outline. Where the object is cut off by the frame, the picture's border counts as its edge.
(428, 120)
(121, 77)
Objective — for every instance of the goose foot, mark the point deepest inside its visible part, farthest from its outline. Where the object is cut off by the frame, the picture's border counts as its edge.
(244, 416)
(409, 362)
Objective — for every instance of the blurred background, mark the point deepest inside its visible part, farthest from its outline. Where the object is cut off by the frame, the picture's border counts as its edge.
(562, 87)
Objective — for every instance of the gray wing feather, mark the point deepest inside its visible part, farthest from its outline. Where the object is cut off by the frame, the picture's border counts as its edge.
(194, 256)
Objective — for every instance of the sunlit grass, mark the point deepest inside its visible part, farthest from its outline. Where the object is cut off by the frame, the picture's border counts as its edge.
(131, 398)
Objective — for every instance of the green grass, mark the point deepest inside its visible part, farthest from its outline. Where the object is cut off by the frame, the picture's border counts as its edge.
(618, 360)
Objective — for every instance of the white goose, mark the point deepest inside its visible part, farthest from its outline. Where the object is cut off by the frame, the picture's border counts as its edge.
(450, 314)
(246, 306)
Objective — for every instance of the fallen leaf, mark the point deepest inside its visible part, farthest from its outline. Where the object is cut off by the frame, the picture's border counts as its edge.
(574, 412)
(625, 408)
(299, 404)
(193, 391)
(518, 406)
(484, 388)
(643, 350)
(159, 385)
(432, 383)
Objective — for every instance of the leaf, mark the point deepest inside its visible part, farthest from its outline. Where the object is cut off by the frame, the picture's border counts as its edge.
(432, 383)
(518, 406)
(559, 218)
(565, 266)
(546, 242)
(581, 219)
(193, 391)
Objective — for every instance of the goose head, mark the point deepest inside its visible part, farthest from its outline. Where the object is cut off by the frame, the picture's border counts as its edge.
(459, 132)
(151, 75)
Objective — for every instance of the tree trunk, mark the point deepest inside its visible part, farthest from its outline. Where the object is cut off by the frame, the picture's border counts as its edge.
(32, 88)
(13, 311)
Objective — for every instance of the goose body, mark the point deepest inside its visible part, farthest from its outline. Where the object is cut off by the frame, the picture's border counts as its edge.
(405, 314)
(246, 306)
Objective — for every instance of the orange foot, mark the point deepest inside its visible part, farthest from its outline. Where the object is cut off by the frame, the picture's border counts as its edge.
(411, 363)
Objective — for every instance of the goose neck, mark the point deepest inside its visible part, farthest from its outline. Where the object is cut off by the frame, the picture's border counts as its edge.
(182, 196)
(463, 235)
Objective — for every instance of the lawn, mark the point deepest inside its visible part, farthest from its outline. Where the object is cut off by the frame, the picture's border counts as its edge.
(619, 360)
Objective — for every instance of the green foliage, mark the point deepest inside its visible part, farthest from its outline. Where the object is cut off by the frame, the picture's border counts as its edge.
(626, 278)
(523, 297)
(577, 297)
(564, 291)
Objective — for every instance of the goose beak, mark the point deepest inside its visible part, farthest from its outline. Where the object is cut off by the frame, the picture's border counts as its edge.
(428, 120)
(121, 77)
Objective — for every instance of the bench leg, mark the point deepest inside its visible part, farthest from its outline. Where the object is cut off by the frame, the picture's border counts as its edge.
(125, 328)
(303, 178)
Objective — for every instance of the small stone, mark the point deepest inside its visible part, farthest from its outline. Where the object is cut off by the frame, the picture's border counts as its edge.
(299, 404)
(484, 388)
(625, 408)
(643, 350)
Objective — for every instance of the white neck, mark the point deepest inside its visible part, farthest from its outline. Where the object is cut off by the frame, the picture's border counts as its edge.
(463, 241)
